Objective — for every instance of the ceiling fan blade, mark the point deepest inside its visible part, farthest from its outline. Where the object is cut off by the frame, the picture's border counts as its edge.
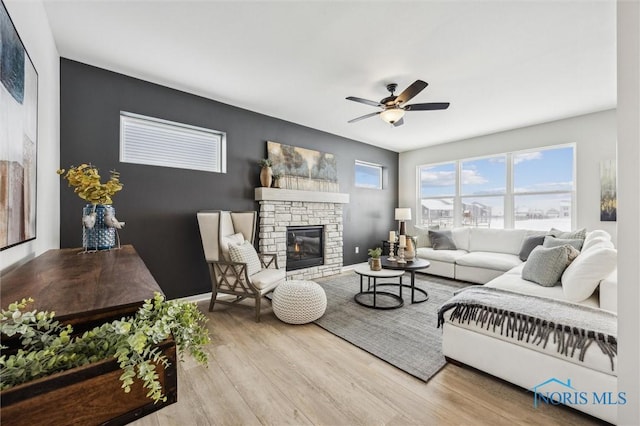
(364, 101)
(399, 122)
(417, 87)
(364, 116)
(427, 107)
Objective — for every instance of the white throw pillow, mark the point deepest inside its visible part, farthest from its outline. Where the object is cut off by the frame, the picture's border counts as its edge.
(225, 242)
(245, 253)
(597, 242)
(583, 275)
(597, 233)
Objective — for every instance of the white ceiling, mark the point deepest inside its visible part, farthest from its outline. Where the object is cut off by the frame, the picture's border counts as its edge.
(501, 64)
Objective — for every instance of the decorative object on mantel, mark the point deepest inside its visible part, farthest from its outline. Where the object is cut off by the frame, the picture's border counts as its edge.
(375, 263)
(304, 169)
(47, 347)
(99, 223)
(276, 180)
(266, 172)
(402, 215)
(19, 140)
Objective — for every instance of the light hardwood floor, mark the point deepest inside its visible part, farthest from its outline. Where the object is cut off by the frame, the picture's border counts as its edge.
(278, 374)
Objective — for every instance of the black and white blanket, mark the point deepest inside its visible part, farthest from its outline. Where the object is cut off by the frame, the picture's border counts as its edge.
(536, 320)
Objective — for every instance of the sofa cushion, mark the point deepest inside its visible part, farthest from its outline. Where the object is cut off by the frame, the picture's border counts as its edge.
(529, 244)
(496, 240)
(245, 253)
(488, 260)
(578, 234)
(515, 282)
(546, 265)
(582, 277)
(597, 233)
(550, 241)
(461, 238)
(442, 240)
(449, 256)
(596, 242)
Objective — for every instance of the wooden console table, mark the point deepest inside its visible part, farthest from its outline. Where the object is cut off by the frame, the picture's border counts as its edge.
(84, 290)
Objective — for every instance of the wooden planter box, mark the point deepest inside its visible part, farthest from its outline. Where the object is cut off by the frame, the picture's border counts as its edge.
(88, 395)
(84, 290)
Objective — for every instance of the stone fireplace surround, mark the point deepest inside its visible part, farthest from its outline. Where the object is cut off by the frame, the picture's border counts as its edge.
(280, 208)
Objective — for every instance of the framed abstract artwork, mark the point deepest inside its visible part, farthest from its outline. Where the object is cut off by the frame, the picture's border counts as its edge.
(303, 168)
(18, 137)
(608, 191)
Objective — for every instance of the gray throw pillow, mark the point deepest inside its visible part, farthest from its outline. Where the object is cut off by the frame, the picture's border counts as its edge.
(550, 241)
(528, 245)
(546, 265)
(442, 240)
(572, 235)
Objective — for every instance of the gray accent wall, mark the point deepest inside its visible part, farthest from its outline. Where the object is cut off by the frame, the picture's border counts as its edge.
(159, 204)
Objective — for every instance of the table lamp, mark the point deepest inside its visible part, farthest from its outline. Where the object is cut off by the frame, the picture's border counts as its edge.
(403, 214)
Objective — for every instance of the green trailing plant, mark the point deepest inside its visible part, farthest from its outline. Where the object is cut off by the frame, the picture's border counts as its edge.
(375, 252)
(48, 347)
(265, 162)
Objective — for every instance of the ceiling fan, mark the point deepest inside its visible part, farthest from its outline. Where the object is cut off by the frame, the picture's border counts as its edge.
(393, 107)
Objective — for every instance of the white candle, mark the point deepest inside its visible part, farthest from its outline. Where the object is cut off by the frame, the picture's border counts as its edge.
(403, 240)
(392, 236)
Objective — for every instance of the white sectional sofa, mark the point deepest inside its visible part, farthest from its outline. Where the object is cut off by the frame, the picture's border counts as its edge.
(491, 257)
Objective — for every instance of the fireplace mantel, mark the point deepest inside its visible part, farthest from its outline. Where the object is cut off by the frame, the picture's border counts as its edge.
(277, 194)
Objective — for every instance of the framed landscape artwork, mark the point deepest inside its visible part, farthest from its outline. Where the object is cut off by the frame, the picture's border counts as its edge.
(303, 168)
(18, 137)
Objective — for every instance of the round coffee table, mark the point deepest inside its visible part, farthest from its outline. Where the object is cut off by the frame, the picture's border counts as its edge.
(410, 267)
(364, 270)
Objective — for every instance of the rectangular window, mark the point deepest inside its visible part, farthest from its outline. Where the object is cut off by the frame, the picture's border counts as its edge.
(544, 186)
(483, 187)
(531, 189)
(437, 188)
(368, 175)
(157, 142)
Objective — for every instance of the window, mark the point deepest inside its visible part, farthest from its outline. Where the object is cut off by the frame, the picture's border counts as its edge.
(483, 188)
(368, 175)
(437, 190)
(156, 142)
(544, 189)
(527, 189)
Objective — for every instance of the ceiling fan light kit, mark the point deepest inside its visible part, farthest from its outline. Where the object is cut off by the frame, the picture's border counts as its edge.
(393, 107)
(392, 115)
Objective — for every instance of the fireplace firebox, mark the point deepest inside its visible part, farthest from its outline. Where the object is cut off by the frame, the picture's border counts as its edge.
(305, 247)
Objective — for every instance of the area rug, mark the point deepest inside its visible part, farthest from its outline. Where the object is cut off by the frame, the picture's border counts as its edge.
(407, 337)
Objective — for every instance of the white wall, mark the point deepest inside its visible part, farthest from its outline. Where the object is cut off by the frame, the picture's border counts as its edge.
(594, 136)
(33, 27)
(628, 208)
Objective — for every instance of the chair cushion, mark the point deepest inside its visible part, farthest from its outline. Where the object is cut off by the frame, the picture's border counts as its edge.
(584, 274)
(230, 240)
(546, 265)
(245, 253)
(267, 279)
(489, 260)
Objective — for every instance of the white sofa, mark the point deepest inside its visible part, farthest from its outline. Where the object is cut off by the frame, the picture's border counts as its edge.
(490, 257)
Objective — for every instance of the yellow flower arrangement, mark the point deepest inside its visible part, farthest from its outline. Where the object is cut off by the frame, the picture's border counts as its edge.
(86, 181)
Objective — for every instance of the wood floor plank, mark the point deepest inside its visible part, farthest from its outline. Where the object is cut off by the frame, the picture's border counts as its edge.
(276, 373)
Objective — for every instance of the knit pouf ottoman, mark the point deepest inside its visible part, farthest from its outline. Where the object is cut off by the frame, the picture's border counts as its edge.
(299, 302)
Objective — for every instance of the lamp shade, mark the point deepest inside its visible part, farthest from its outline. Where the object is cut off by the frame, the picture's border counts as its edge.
(392, 115)
(403, 213)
